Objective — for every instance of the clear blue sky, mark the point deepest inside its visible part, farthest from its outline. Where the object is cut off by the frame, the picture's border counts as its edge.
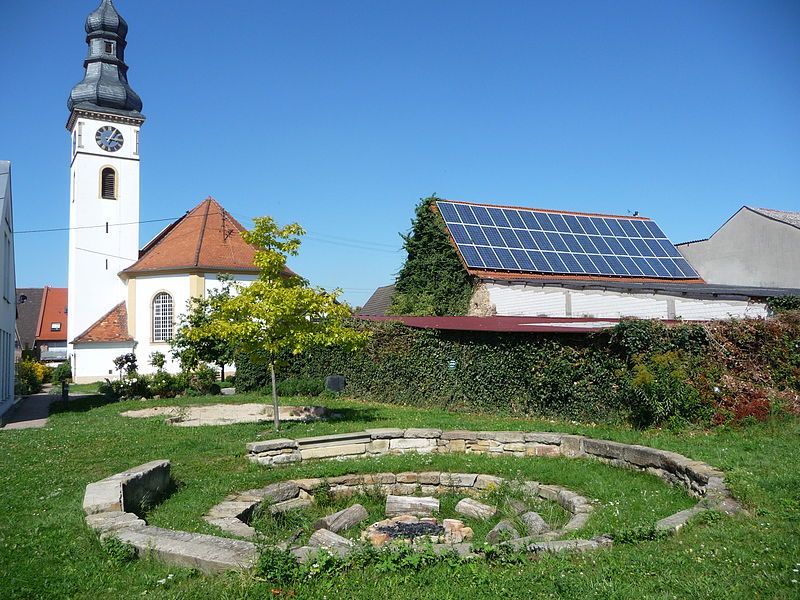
(341, 115)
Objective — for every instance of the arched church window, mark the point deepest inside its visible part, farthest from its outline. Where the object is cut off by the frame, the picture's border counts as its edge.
(162, 317)
(108, 184)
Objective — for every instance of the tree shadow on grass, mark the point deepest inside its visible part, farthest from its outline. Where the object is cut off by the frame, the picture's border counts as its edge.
(80, 404)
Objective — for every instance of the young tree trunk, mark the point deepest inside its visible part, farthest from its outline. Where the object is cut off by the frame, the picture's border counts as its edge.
(276, 417)
(222, 370)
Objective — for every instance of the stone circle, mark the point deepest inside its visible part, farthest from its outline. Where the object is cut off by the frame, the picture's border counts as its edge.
(109, 504)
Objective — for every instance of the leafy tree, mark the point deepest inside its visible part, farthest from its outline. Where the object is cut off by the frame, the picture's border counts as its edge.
(204, 345)
(432, 281)
(279, 312)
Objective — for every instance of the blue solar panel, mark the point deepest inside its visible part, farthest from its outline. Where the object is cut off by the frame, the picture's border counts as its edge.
(526, 239)
(449, 213)
(514, 218)
(588, 226)
(510, 238)
(481, 214)
(506, 259)
(602, 226)
(465, 212)
(494, 237)
(498, 217)
(471, 256)
(476, 234)
(521, 240)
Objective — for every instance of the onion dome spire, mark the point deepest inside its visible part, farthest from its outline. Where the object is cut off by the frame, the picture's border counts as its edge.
(105, 87)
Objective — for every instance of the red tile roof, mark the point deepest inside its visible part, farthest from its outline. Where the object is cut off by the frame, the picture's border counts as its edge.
(205, 238)
(53, 311)
(111, 327)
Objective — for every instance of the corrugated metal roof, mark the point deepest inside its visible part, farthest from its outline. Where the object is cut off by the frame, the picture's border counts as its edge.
(503, 324)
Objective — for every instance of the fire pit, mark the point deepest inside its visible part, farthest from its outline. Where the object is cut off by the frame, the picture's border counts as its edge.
(411, 529)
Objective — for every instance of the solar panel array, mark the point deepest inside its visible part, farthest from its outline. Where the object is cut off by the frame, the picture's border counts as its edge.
(534, 241)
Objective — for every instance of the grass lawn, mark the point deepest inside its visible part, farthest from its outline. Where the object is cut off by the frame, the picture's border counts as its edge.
(46, 550)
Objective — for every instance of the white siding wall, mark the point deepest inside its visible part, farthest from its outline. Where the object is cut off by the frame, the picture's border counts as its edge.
(518, 300)
(8, 303)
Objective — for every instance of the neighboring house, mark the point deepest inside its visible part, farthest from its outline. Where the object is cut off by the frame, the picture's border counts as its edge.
(8, 306)
(379, 303)
(756, 247)
(29, 309)
(51, 330)
(549, 263)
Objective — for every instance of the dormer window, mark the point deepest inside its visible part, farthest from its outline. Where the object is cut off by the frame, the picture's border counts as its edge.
(55, 326)
(109, 47)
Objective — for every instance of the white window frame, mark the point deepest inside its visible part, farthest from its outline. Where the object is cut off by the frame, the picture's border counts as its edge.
(162, 327)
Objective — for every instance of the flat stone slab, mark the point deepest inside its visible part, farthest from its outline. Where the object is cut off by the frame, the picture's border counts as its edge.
(232, 525)
(228, 414)
(207, 553)
(287, 505)
(113, 520)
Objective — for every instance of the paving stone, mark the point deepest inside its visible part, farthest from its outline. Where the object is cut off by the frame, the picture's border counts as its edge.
(113, 520)
(543, 438)
(501, 532)
(383, 433)
(267, 445)
(676, 522)
(427, 433)
(472, 508)
(208, 553)
(232, 525)
(459, 434)
(333, 451)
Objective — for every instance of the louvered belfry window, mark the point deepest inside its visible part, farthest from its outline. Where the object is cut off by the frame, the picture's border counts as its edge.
(162, 317)
(108, 184)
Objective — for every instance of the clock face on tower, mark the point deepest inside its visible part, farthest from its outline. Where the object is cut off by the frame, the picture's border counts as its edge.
(109, 138)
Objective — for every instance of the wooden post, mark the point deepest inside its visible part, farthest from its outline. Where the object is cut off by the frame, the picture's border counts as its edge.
(276, 416)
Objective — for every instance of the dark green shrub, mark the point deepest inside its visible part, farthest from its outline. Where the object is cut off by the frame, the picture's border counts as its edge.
(165, 385)
(251, 375)
(127, 388)
(202, 381)
(301, 386)
(783, 303)
(660, 392)
(62, 373)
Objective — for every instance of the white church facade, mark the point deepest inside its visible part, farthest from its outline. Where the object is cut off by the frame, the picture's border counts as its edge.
(122, 298)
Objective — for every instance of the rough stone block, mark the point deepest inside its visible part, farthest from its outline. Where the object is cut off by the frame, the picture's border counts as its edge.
(333, 451)
(542, 450)
(458, 479)
(407, 477)
(577, 521)
(603, 448)
(411, 505)
(287, 505)
(549, 492)
(572, 446)
(343, 519)
(270, 445)
(485, 482)
(503, 531)
(378, 447)
(472, 508)
(515, 447)
(322, 538)
(455, 445)
(379, 478)
(418, 444)
(283, 459)
(429, 477)
(308, 485)
(504, 437)
(534, 523)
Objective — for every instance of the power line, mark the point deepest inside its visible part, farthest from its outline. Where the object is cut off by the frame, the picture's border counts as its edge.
(105, 254)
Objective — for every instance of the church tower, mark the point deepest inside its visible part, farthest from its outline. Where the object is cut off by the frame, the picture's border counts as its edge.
(105, 118)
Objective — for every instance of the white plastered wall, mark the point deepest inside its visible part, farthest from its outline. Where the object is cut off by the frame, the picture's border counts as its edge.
(95, 362)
